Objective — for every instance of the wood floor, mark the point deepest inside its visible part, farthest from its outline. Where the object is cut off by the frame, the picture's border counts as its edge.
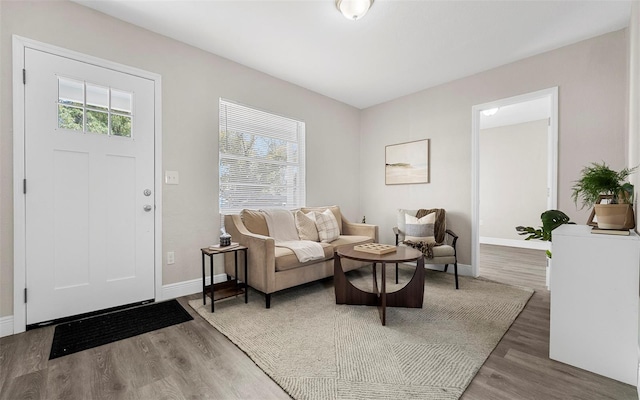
(194, 361)
(519, 367)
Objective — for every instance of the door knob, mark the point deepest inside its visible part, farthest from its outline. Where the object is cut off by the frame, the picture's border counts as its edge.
(147, 192)
(147, 207)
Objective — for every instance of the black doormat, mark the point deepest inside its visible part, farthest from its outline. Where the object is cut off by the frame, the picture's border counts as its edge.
(84, 334)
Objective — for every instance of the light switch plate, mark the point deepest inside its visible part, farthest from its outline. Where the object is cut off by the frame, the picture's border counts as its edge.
(171, 177)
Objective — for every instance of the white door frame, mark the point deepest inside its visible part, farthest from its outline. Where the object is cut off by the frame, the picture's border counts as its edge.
(552, 169)
(19, 210)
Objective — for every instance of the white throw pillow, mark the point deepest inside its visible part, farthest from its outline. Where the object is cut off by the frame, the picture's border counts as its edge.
(327, 225)
(420, 230)
(306, 225)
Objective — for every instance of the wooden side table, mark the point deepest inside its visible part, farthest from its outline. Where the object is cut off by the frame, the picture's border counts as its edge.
(230, 287)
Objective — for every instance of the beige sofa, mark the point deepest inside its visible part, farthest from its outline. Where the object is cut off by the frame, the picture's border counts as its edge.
(272, 268)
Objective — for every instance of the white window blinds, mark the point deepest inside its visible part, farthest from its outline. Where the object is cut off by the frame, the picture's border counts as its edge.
(262, 160)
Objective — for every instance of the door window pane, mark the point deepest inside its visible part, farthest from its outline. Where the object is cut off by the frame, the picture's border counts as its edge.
(120, 101)
(70, 117)
(70, 92)
(120, 125)
(97, 97)
(97, 122)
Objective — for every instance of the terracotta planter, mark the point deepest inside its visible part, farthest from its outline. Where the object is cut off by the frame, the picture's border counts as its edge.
(615, 216)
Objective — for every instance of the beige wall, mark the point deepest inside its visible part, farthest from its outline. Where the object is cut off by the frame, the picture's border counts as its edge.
(513, 178)
(192, 83)
(591, 75)
(592, 80)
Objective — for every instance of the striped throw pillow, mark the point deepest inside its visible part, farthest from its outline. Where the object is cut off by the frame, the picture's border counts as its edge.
(420, 230)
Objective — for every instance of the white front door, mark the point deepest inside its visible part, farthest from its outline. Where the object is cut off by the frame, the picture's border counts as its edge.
(89, 168)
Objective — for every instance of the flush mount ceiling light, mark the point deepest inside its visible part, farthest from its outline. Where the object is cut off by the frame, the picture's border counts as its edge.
(353, 9)
(489, 112)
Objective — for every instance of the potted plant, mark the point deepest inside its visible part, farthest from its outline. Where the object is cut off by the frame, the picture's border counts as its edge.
(551, 219)
(598, 182)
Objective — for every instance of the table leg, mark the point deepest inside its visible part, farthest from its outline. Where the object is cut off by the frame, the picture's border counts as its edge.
(383, 294)
(345, 292)
(375, 279)
(211, 267)
(204, 284)
(246, 279)
(235, 257)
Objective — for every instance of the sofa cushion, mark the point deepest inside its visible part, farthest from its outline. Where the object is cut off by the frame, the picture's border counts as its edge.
(286, 258)
(255, 222)
(334, 209)
(306, 225)
(344, 240)
(328, 229)
(443, 254)
(420, 229)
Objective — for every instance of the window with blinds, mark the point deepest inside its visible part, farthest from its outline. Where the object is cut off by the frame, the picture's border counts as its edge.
(262, 160)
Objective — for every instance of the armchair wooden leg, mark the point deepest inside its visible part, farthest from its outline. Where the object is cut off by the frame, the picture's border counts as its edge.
(455, 272)
(446, 267)
(267, 300)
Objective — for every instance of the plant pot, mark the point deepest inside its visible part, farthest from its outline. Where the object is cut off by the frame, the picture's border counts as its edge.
(615, 216)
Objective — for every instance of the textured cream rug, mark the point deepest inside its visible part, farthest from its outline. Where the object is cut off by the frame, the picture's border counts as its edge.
(315, 349)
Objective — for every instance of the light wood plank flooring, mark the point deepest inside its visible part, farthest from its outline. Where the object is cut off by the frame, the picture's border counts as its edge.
(514, 266)
(519, 367)
(192, 360)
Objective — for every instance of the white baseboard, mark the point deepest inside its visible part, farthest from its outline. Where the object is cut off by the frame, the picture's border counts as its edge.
(6, 326)
(170, 291)
(185, 288)
(525, 244)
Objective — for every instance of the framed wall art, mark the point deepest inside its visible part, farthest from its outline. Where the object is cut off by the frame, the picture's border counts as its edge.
(407, 163)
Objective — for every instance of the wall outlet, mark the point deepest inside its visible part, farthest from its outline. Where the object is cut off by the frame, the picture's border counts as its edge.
(171, 177)
(171, 258)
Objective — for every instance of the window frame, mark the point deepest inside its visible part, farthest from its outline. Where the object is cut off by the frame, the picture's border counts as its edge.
(263, 128)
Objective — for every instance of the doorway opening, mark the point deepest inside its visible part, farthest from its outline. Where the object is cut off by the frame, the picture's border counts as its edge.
(514, 179)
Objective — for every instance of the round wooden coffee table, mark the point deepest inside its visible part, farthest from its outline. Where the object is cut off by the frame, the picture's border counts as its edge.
(410, 296)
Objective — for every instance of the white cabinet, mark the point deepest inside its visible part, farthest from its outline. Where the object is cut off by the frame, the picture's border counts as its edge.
(594, 302)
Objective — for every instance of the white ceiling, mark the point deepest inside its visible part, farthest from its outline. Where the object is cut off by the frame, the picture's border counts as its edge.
(399, 47)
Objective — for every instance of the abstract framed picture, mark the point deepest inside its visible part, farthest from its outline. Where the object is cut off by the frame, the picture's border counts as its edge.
(407, 163)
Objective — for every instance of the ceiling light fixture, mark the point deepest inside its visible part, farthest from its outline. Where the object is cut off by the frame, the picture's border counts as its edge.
(489, 112)
(353, 9)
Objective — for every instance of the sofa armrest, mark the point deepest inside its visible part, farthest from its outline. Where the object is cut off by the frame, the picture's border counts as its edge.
(260, 254)
(352, 228)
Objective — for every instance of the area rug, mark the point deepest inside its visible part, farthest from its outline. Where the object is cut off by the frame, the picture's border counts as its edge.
(315, 349)
(98, 330)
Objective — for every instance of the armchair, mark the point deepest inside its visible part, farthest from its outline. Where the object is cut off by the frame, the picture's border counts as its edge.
(425, 229)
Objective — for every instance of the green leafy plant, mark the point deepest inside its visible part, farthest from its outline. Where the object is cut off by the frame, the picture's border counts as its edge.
(551, 219)
(598, 180)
